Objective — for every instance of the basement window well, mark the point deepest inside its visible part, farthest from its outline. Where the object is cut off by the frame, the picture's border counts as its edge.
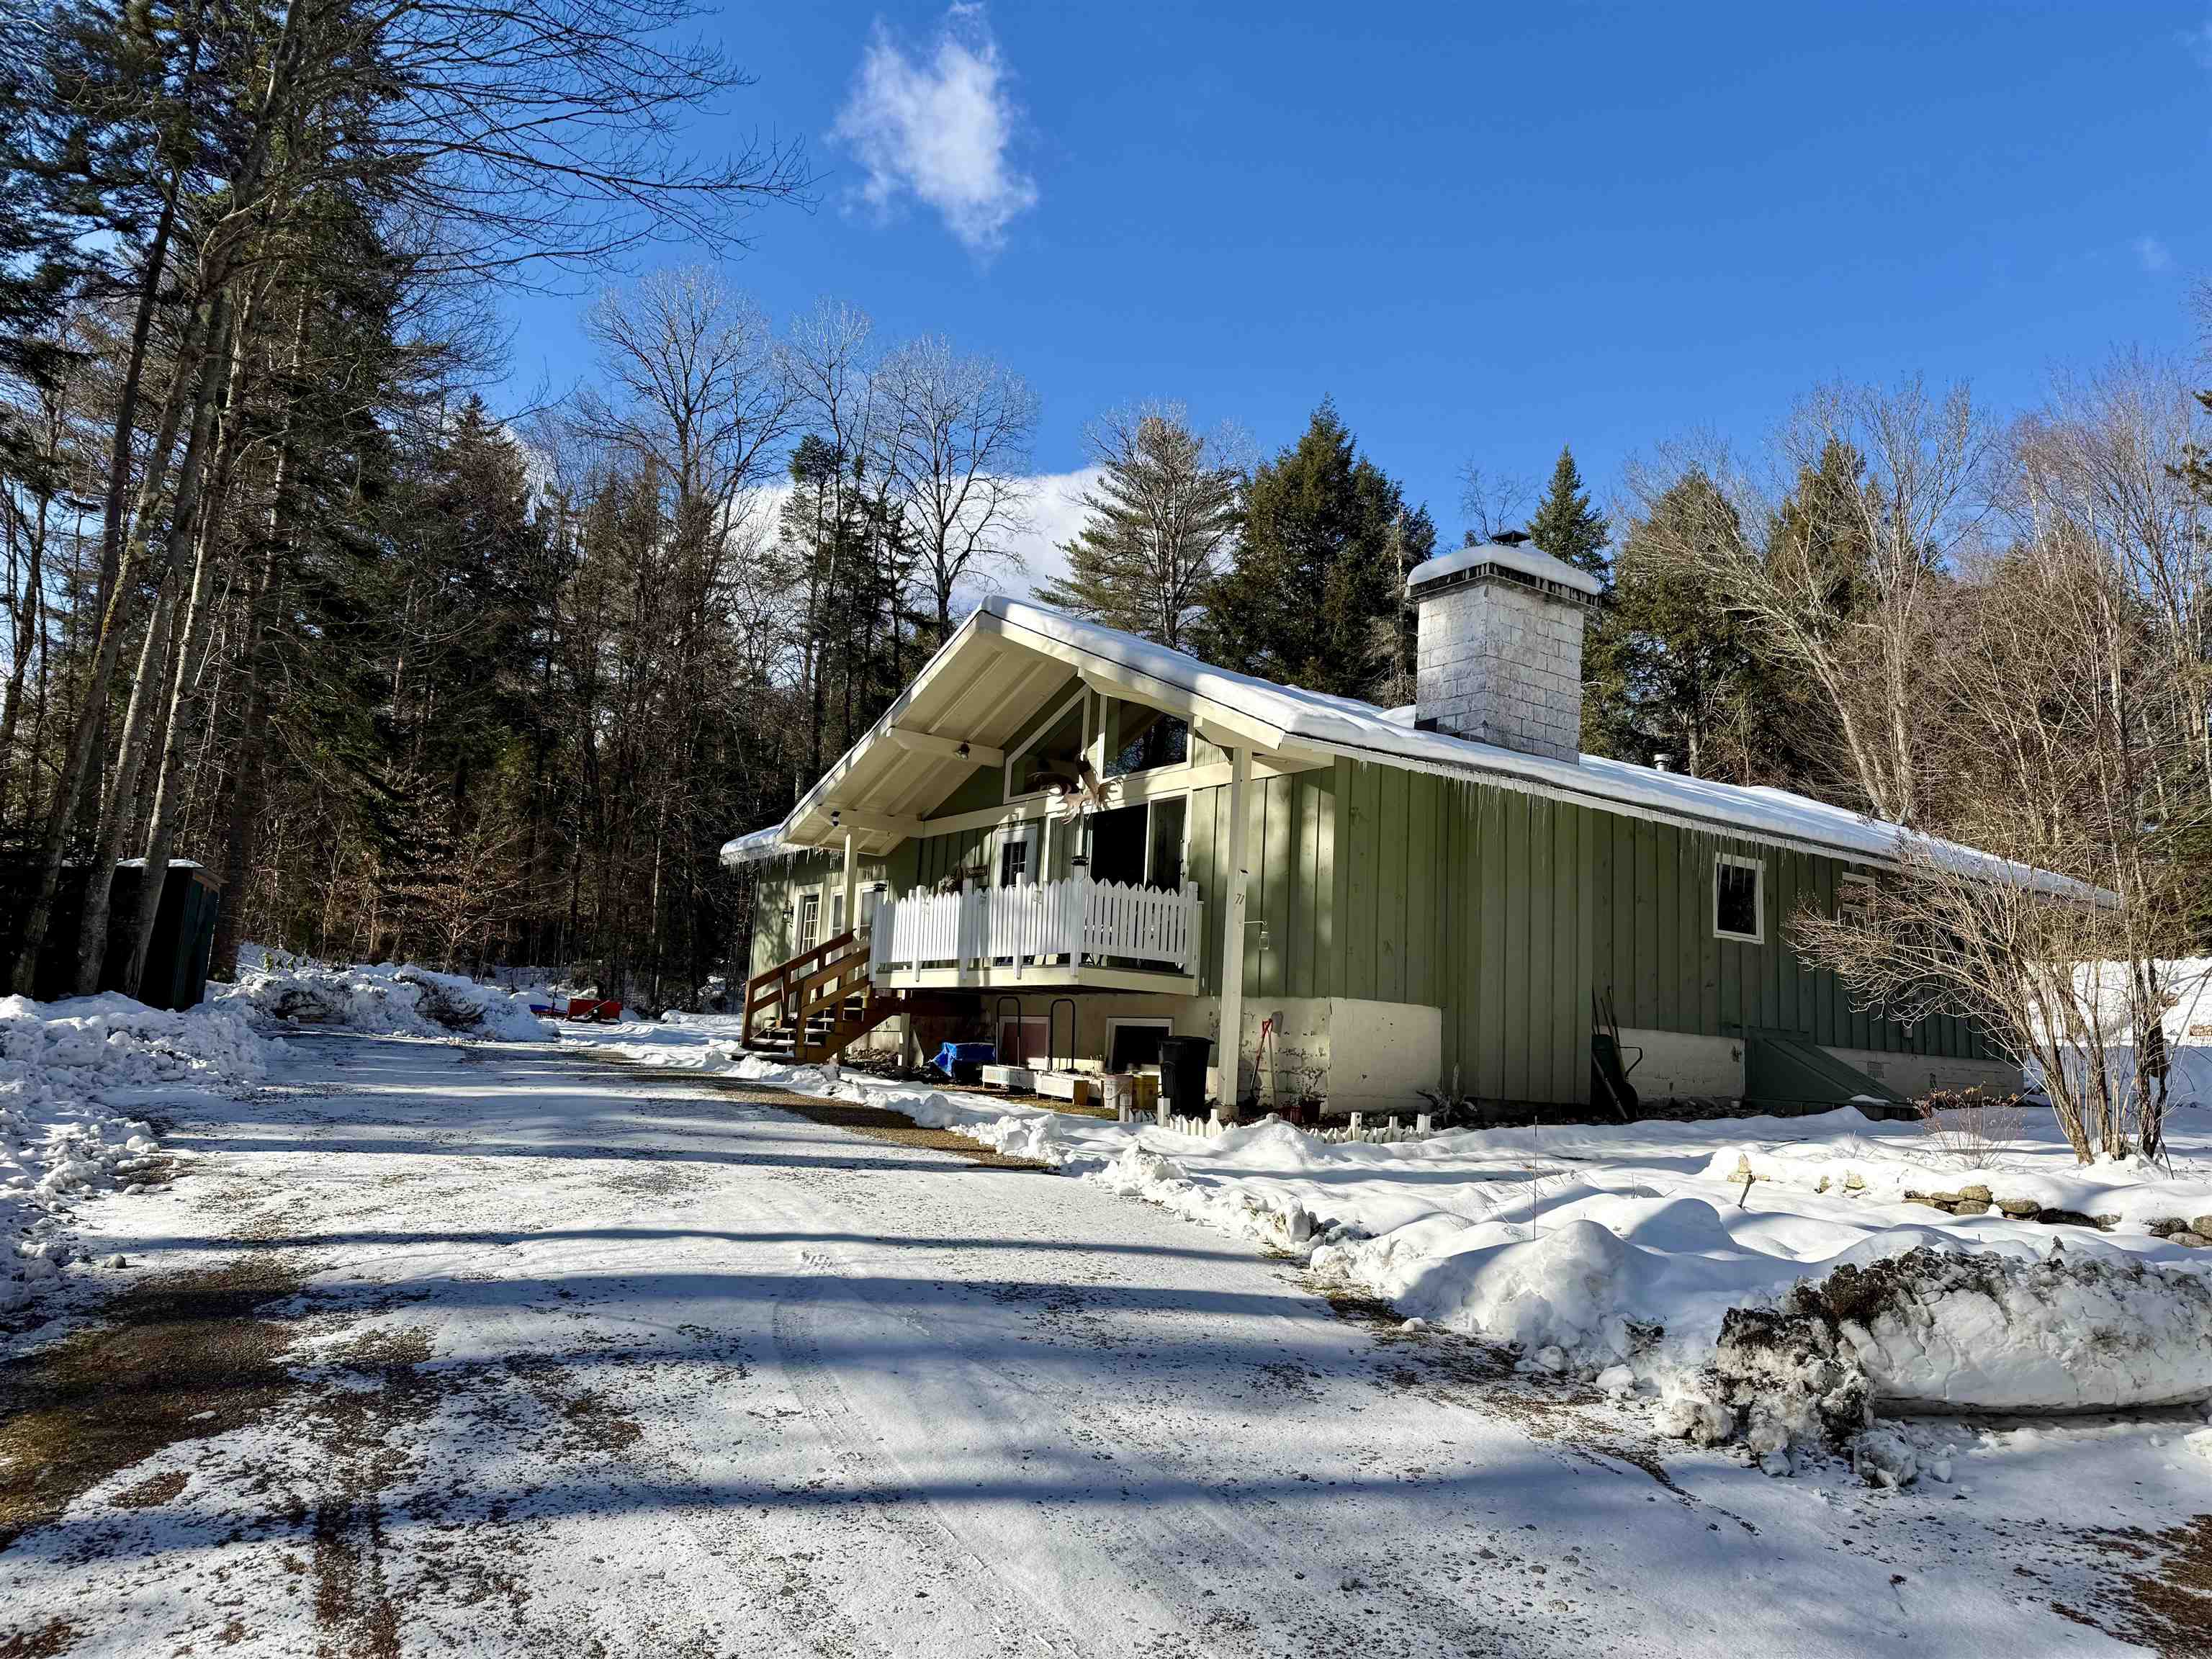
(1738, 910)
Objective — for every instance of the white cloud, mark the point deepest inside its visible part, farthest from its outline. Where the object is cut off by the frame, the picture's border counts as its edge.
(2198, 43)
(938, 126)
(2152, 254)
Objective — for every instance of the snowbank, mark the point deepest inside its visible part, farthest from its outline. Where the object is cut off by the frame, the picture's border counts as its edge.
(386, 1000)
(67, 1072)
(1933, 1329)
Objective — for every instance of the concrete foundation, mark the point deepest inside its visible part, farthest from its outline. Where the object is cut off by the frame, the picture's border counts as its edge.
(1676, 1063)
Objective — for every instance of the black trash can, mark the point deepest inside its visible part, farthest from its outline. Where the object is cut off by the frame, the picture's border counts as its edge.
(1183, 1074)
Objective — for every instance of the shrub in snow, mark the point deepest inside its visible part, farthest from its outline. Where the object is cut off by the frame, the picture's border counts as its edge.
(384, 999)
(1930, 1328)
(1971, 1126)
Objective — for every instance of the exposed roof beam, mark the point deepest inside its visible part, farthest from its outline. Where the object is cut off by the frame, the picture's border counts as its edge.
(927, 743)
(880, 823)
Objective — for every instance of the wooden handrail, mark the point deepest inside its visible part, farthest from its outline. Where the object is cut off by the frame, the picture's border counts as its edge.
(783, 970)
(772, 986)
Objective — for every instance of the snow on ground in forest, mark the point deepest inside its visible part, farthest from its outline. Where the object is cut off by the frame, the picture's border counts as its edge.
(383, 1000)
(76, 1077)
(1574, 1242)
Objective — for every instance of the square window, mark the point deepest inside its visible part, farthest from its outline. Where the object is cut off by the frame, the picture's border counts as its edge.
(1855, 900)
(1736, 907)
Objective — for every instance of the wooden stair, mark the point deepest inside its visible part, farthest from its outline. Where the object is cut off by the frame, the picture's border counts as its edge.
(819, 1003)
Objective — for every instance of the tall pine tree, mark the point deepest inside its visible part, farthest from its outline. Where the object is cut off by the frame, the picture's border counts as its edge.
(1156, 529)
(1566, 526)
(1319, 567)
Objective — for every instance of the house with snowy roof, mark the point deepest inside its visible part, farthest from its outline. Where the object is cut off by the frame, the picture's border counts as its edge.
(1080, 842)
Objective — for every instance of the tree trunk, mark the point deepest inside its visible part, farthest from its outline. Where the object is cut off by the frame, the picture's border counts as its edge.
(149, 691)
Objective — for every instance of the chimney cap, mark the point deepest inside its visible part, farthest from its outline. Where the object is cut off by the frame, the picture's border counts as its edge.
(1522, 561)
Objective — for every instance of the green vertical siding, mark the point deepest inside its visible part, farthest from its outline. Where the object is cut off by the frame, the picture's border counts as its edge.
(1504, 909)
(777, 883)
(1655, 948)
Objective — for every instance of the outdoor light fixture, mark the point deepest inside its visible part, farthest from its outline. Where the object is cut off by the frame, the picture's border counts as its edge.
(835, 813)
(963, 751)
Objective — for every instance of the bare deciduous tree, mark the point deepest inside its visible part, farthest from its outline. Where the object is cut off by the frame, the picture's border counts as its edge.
(1877, 491)
(963, 431)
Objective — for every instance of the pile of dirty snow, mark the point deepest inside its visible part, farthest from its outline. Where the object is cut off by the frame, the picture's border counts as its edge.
(68, 1072)
(386, 1000)
(1933, 1329)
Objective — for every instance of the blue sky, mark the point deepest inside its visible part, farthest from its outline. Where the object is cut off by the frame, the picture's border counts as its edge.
(1484, 230)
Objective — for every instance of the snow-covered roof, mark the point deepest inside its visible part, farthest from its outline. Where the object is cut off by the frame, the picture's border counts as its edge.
(1317, 722)
(759, 845)
(1529, 559)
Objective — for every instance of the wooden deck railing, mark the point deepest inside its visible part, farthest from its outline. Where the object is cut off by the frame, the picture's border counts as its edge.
(1069, 922)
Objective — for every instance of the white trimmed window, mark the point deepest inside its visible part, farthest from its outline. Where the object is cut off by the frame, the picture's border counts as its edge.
(1739, 901)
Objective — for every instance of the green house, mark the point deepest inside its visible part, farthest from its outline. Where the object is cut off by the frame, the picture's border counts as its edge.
(1081, 842)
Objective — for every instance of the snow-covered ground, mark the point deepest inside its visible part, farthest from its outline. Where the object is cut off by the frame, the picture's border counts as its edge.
(598, 1359)
(78, 1081)
(1616, 1253)
(81, 1078)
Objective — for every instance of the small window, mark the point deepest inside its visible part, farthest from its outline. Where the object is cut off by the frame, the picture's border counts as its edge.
(1736, 898)
(1855, 901)
(810, 921)
(1013, 862)
(1134, 1042)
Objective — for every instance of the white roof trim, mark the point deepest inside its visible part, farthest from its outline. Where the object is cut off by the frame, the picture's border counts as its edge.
(1529, 560)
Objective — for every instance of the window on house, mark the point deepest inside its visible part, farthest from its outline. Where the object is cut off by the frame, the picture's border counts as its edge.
(1855, 900)
(1140, 845)
(1134, 1042)
(1013, 862)
(1050, 757)
(1149, 738)
(810, 922)
(1737, 907)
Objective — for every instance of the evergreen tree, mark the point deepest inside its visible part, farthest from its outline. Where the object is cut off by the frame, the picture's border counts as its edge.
(1566, 526)
(1671, 665)
(1157, 526)
(1318, 568)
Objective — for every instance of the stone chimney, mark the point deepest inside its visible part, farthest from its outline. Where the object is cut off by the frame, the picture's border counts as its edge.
(1500, 656)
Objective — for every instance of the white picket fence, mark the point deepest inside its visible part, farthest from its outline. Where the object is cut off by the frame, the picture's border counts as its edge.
(1064, 920)
(1371, 1135)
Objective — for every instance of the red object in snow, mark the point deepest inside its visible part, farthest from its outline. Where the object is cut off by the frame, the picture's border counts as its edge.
(594, 1012)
